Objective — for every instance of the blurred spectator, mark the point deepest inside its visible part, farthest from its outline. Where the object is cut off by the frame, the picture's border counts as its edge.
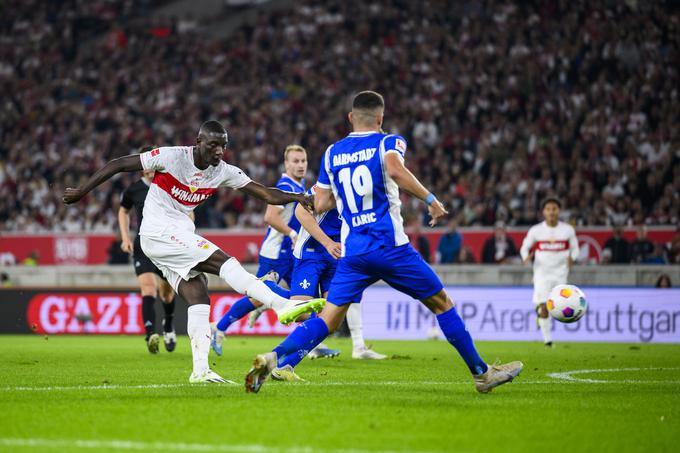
(420, 241)
(674, 248)
(32, 259)
(7, 259)
(658, 255)
(617, 247)
(642, 248)
(450, 244)
(5, 281)
(664, 281)
(557, 100)
(465, 256)
(499, 248)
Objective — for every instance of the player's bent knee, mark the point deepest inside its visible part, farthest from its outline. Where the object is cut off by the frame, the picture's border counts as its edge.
(439, 303)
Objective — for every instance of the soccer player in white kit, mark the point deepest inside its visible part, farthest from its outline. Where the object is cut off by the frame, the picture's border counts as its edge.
(185, 177)
(554, 248)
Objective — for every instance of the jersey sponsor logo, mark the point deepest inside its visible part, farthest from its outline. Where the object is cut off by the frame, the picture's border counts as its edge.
(400, 145)
(359, 156)
(182, 193)
(155, 152)
(552, 246)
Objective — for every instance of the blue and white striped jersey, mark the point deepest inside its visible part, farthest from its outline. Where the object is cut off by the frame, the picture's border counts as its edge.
(276, 244)
(367, 197)
(308, 247)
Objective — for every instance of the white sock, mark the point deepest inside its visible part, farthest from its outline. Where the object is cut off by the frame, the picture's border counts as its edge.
(544, 324)
(246, 283)
(198, 328)
(354, 324)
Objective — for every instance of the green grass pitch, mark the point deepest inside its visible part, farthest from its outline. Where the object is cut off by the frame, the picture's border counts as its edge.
(110, 394)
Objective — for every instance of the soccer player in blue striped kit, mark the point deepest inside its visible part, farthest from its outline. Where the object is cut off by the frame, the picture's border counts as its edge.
(361, 176)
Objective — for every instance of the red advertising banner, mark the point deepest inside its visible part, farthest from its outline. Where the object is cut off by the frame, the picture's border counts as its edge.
(93, 249)
(120, 313)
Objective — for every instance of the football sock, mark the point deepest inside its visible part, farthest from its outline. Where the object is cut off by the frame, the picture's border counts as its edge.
(148, 314)
(169, 310)
(303, 339)
(198, 328)
(544, 324)
(283, 292)
(243, 306)
(355, 328)
(455, 332)
(246, 283)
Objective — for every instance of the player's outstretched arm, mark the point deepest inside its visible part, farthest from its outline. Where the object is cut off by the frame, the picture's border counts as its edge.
(310, 224)
(272, 195)
(409, 183)
(126, 163)
(323, 200)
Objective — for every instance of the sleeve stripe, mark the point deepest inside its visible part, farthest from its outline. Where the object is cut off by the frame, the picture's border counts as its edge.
(322, 185)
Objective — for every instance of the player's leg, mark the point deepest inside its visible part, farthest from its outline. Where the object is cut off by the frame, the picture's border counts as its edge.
(231, 271)
(284, 270)
(348, 284)
(359, 348)
(302, 340)
(167, 296)
(148, 288)
(240, 309)
(195, 292)
(542, 287)
(404, 269)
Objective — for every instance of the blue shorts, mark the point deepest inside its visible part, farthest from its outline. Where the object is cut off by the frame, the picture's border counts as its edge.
(400, 267)
(312, 276)
(284, 266)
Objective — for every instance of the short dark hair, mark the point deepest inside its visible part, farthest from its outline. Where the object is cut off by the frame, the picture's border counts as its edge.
(213, 127)
(368, 100)
(551, 200)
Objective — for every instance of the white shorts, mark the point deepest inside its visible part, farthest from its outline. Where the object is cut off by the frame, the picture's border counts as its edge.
(544, 284)
(177, 253)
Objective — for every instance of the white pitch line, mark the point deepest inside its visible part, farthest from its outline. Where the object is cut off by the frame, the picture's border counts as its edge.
(68, 444)
(569, 376)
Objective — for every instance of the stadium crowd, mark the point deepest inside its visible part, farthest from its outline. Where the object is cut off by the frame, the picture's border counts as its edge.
(502, 104)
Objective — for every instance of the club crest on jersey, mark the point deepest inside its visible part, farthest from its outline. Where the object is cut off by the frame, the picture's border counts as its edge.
(400, 145)
(304, 284)
(155, 152)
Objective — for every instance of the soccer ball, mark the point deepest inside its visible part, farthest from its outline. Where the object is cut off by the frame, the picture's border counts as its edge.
(567, 303)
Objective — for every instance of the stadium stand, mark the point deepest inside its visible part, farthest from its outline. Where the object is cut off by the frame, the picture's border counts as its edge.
(502, 104)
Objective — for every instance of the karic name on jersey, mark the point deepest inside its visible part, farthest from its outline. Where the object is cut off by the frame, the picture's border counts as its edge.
(187, 195)
(552, 246)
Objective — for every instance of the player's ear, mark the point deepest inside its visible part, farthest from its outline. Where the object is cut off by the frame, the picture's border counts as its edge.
(349, 117)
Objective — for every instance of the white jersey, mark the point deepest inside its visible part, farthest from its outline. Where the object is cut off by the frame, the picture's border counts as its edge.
(553, 246)
(178, 187)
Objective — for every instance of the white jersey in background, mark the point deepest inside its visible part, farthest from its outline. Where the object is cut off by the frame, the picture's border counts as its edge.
(167, 233)
(553, 246)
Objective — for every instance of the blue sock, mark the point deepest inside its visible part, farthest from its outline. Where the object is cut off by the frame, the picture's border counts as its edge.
(455, 332)
(303, 339)
(243, 306)
(283, 292)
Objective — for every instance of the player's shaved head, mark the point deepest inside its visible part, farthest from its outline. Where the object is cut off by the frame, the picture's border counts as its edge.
(213, 129)
(367, 107)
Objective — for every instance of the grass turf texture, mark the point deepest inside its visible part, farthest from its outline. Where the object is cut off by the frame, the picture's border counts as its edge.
(421, 400)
